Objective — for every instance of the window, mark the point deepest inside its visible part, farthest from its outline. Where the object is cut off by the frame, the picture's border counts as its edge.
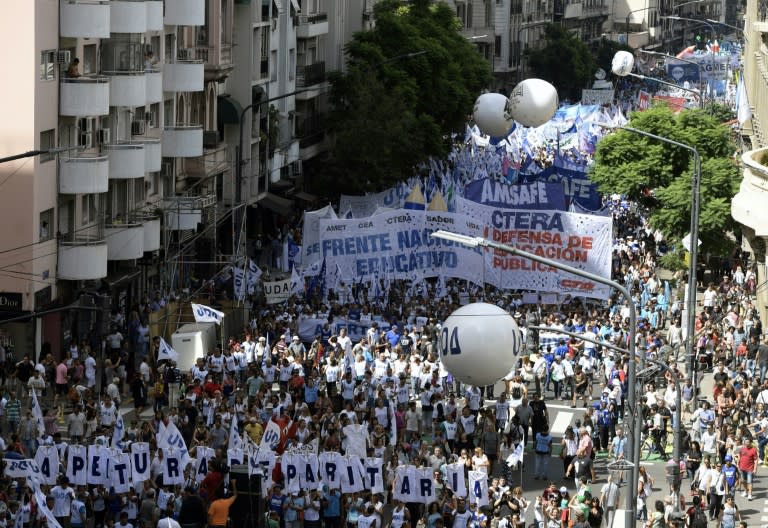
(273, 73)
(154, 115)
(46, 225)
(89, 209)
(497, 46)
(47, 63)
(85, 127)
(89, 59)
(291, 64)
(47, 141)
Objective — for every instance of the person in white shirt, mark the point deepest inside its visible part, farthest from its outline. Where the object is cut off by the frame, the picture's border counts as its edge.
(62, 495)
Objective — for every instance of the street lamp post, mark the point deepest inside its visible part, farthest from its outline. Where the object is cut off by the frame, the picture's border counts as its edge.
(626, 24)
(634, 446)
(688, 61)
(519, 51)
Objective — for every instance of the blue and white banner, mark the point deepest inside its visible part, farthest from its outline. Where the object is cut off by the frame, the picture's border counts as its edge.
(277, 291)
(398, 245)
(580, 241)
(205, 314)
(533, 195)
(310, 234)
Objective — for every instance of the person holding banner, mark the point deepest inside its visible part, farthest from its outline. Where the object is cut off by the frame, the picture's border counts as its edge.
(218, 511)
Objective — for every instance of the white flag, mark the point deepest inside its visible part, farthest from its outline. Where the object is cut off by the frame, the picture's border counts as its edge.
(238, 283)
(235, 440)
(297, 282)
(205, 314)
(118, 432)
(743, 111)
(165, 351)
(169, 437)
(37, 415)
(253, 275)
(271, 437)
(516, 456)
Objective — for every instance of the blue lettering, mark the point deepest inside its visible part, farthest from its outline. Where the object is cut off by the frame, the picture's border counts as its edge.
(78, 464)
(121, 470)
(172, 465)
(426, 487)
(330, 470)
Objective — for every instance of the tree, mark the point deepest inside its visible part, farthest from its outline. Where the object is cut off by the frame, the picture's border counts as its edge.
(658, 175)
(565, 61)
(410, 83)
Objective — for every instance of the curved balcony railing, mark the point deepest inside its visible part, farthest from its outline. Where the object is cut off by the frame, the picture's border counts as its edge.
(86, 96)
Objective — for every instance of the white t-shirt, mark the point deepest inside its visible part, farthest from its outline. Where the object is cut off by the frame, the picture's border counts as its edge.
(62, 501)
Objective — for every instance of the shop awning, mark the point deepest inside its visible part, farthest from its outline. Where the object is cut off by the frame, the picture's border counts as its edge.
(305, 197)
(229, 110)
(276, 204)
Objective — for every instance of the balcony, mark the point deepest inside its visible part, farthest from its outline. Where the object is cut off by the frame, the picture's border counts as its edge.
(183, 141)
(185, 212)
(217, 59)
(573, 11)
(213, 161)
(84, 19)
(151, 234)
(153, 153)
(127, 88)
(310, 75)
(154, 86)
(154, 15)
(125, 241)
(184, 76)
(84, 96)
(126, 160)
(185, 12)
(83, 175)
(128, 16)
(312, 25)
(82, 257)
(748, 206)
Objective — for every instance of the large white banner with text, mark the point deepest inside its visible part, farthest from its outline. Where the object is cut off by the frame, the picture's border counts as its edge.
(578, 240)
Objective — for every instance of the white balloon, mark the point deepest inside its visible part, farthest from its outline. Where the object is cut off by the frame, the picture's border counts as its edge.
(479, 344)
(533, 102)
(491, 113)
(622, 63)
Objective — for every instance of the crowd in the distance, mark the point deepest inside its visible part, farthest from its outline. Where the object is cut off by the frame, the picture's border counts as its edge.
(413, 412)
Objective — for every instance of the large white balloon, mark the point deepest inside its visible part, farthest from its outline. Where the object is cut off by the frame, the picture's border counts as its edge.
(479, 344)
(491, 113)
(533, 102)
(622, 63)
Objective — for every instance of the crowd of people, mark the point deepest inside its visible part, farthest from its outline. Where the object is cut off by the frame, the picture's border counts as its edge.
(408, 410)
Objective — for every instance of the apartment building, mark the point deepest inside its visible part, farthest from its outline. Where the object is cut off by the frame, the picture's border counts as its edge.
(747, 206)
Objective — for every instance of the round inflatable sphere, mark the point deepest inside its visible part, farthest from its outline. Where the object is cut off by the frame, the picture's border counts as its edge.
(622, 63)
(491, 113)
(479, 344)
(533, 102)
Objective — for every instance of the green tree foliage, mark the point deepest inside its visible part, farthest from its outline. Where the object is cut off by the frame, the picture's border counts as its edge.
(409, 84)
(659, 175)
(565, 61)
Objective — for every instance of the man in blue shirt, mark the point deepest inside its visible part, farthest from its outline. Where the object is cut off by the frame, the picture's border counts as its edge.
(332, 508)
(393, 336)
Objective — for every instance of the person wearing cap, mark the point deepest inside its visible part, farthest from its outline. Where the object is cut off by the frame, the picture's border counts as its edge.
(297, 348)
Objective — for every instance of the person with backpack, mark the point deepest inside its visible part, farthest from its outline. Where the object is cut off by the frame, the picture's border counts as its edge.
(695, 516)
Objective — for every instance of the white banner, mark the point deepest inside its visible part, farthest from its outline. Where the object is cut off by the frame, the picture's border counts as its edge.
(205, 314)
(365, 206)
(76, 465)
(120, 471)
(374, 474)
(398, 245)
(21, 468)
(309, 328)
(478, 488)
(277, 291)
(414, 484)
(455, 479)
(600, 97)
(98, 465)
(140, 461)
(47, 459)
(310, 234)
(203, 456)
(173, 466)
(578, 240)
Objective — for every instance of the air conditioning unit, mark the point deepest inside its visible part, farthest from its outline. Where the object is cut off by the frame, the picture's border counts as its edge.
(63, 57)
(138, 128)
(103, 136)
